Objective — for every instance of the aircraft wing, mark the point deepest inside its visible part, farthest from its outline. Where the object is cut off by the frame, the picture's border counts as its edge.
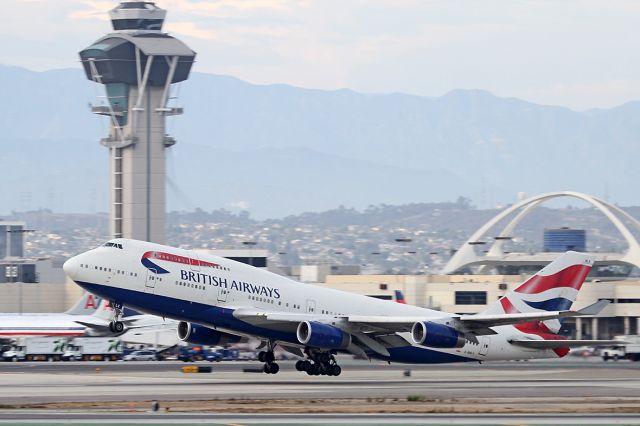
(372, 331)
(555, 344)
(477, 324)
(282, 321)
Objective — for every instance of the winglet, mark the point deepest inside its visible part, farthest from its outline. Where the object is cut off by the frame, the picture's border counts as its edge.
(595, 308)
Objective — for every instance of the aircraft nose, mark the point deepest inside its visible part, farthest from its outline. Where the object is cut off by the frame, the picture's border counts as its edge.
(71, 267)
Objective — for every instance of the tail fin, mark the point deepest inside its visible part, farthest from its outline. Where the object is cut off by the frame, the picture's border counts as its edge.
(554, 288)
(399, 297)
(87, 305)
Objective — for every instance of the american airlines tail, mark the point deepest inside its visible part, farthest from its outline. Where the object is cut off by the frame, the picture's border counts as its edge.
(87, 305)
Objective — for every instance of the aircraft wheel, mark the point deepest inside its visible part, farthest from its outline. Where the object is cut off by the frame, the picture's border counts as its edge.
(274, 368)
(317, 370)
(269, 357)
(261, 356)
(335, 370)
(299, 365)
(118, 327)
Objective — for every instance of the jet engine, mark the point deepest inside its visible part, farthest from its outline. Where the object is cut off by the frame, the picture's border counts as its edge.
(436, 335)
(323, 336)
(201, 335)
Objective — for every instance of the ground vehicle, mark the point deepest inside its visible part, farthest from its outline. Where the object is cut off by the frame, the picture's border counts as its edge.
(229, 354)
(614, 352)
(632, 349)
(142, 355)
(94, 349)
(198, 353)
(36, 349)
(629, 348)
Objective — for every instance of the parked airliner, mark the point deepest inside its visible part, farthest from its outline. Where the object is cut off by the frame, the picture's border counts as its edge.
(219, 301)
(51, 324)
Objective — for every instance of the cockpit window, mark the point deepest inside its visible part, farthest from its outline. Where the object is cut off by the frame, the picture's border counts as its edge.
(116, 245)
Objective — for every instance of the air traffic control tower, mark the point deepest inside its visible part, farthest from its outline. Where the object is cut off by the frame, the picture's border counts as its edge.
(137, 63)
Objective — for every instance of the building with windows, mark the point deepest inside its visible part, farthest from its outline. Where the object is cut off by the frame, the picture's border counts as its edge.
(253, 257)
(11, 239)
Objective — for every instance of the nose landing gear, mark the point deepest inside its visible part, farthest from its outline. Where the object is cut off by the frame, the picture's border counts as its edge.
(116, 326)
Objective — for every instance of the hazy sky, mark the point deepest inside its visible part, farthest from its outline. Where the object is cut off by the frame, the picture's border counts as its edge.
(580, 54)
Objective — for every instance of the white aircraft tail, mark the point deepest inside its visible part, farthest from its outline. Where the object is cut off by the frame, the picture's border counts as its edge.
(87, 305)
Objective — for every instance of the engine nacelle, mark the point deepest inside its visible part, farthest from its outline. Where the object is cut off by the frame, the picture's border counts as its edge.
(201, 335)
(436, 335)
(318, 335)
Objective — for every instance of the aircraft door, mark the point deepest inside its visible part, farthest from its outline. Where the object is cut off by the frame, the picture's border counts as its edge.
(150, 282)
(194, 261)
(484, 345)
(311, 306)
(109, 275)
(222, 294)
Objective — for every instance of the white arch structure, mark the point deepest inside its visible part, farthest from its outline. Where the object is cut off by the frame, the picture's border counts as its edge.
(467, 256)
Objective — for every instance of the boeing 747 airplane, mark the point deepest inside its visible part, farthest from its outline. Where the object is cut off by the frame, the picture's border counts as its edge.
(220, 301)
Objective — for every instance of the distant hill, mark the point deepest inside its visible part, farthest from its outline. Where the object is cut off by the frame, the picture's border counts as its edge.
(279, 150)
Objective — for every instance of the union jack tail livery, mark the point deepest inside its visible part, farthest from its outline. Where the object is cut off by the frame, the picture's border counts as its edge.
(554, 288)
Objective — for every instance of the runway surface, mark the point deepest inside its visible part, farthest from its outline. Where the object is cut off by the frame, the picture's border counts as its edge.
(138, 381)
(583, 391)
(315, 419)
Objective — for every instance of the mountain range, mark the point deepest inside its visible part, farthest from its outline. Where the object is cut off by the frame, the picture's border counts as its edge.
(276, 150)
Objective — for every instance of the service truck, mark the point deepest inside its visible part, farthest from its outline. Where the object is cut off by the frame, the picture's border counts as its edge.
(629, 348)
(36, 349)
(94, 349)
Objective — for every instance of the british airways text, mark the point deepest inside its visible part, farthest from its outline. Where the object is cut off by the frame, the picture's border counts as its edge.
(201, 278)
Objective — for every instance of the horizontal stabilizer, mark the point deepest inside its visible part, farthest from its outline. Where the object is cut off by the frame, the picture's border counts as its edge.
(493, 320)
(594, 309)
(555, 344)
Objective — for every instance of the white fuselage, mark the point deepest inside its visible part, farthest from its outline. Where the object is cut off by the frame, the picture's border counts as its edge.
(208, 291)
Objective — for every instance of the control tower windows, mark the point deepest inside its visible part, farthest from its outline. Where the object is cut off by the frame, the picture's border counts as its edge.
(137, 24)
(118, 95)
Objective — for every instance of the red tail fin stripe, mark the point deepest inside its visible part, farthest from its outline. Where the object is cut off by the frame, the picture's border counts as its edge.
(571, 277)
(508, 307)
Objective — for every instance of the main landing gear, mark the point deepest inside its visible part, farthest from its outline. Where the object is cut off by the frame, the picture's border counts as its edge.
(324, 363)
(116, 326)
(269, 359)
